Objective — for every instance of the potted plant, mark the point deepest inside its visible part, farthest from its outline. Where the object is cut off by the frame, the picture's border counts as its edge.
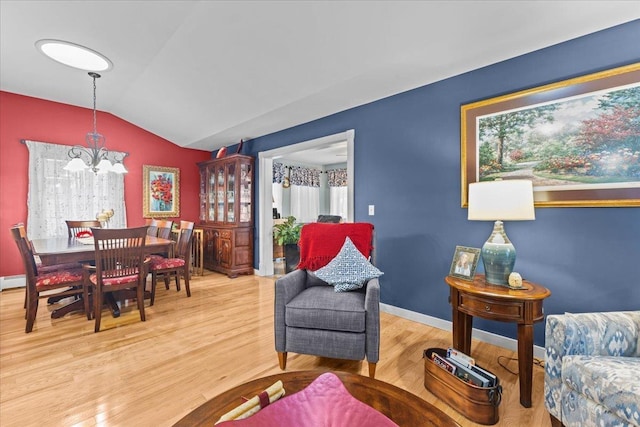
(288, 234)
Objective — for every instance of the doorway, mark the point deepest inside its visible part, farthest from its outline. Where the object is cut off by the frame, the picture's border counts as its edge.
(265, 215)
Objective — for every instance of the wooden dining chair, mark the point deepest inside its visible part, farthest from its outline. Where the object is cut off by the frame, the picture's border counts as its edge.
(40, 267)
(152, 223)
(65, 282)
(164, 229)
(120, 264)
(75, 227)
(45, 268)
(176, 266)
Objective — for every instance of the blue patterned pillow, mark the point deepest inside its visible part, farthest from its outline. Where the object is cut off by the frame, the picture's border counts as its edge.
(349, 270)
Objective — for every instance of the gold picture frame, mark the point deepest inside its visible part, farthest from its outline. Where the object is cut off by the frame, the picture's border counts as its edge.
(577, 139)
(160, 192)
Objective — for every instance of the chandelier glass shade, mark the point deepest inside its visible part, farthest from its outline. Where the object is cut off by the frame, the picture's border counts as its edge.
(95, 155)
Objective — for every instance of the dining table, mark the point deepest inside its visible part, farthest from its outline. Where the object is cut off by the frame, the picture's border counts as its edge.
(62, 250)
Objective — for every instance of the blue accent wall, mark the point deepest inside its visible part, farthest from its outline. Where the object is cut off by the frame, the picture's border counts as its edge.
(407, 163)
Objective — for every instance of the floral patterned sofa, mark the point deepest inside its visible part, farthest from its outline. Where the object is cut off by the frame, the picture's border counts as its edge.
(592, 369)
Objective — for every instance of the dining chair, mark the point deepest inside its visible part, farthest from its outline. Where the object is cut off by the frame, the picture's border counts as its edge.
(65, 282)
(176, 266)
(164, 229)
(75, 227)
(46, 268)
(152, 223)
(120, 264)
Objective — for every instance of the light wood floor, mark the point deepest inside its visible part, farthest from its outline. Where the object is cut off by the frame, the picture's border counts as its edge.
(152, 373)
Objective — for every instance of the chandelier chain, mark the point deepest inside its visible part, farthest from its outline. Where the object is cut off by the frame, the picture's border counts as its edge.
(95, 76)
(94, 105)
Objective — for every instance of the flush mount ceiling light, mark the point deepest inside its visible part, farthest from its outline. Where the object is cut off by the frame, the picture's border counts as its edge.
(74, 55)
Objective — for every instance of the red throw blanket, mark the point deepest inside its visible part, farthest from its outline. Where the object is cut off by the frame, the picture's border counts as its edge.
(321, 242)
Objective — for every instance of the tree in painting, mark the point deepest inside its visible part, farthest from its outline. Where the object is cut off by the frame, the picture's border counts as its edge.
(588, 140)
(508, 129)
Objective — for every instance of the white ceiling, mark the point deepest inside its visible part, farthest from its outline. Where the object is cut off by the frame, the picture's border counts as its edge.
(204, 74)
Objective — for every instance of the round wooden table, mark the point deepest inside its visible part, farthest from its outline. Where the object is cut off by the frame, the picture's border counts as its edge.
(404, 408)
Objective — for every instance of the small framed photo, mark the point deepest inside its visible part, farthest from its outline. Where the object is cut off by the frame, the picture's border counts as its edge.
(465, 261)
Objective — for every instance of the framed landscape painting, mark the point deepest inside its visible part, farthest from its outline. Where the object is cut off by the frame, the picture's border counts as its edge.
(160, 192)
(578, 140)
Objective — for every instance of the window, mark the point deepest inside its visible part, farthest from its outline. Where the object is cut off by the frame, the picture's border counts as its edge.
(56, 195)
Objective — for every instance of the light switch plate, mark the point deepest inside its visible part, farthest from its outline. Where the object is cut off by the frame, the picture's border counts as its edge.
(372, 210)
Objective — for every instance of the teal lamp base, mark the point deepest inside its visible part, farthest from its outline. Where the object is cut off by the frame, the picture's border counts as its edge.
(498, 256)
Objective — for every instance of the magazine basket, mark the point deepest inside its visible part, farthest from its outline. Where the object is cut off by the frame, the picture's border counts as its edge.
(478, 404)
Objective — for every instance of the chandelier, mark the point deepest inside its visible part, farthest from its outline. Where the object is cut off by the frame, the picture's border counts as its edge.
(95, 155)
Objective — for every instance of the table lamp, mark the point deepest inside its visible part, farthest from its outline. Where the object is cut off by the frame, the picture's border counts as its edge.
(500, 200)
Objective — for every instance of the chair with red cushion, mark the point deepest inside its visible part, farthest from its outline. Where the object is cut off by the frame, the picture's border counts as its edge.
(67, 282)
(176, 266)
(45, 268)
(163, 231)
(120, 265)
(75, 227)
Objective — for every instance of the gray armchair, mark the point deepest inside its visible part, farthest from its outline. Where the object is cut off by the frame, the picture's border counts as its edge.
(312, 318)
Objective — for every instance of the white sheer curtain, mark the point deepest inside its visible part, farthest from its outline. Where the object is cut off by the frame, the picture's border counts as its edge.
(56, 195)
(338, 202)
(305, 203)
(277, 194)
(305, 193)
(338, 192)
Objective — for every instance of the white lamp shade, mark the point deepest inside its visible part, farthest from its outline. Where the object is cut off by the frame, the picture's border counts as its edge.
(76, 165)
(510, 200)
(118, 168)
(104, 166)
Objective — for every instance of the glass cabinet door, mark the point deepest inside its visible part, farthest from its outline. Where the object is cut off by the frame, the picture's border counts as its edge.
(211, 195)
(226, 191)
(203, 195)
(231, 192)
(220, 196)
(245, 192)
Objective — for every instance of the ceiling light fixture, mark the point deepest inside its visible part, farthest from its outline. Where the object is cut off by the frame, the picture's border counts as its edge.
(96, 151)
(74, 55)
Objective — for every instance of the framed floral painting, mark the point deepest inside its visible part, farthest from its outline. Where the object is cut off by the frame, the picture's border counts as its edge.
(160, 192)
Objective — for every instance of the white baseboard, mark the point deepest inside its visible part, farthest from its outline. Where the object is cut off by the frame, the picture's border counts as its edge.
(9, 282)
(484, 336)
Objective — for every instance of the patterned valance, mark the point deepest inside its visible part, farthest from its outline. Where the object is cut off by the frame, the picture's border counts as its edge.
(305, 177)
(337, 177)
(278, 173)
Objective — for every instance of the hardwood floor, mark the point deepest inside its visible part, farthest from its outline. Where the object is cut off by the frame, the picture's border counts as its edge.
(189, 350)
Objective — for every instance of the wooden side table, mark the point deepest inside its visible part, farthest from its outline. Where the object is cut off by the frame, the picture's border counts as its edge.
(521, 306)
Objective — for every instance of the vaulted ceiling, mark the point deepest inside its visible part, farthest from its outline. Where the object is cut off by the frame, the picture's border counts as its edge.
(204, 74)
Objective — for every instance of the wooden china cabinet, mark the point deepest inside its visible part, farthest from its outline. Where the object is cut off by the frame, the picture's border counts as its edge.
(226, 214)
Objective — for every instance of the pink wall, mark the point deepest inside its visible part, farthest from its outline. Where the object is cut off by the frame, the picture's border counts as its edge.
(23, 117)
